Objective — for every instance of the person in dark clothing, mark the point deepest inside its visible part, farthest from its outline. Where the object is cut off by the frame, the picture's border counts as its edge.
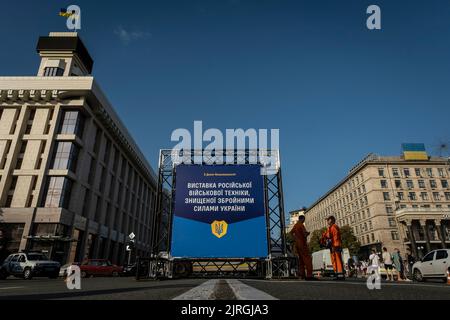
(351, 267)
(410, 260)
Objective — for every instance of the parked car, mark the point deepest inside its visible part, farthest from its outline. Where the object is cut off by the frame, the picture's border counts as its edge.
(99, 267)
(433, 266)
(29, 265)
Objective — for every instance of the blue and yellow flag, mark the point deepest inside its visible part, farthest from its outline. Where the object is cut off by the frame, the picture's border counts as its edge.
(414, 151)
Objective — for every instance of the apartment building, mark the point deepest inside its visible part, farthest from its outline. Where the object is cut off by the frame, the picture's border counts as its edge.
(293, 218)
(391, 202)
(73, 183)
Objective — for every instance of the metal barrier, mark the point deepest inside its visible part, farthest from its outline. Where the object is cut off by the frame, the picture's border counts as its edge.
(160, 268)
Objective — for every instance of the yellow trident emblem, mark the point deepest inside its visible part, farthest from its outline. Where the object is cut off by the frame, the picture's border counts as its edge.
(219, 228)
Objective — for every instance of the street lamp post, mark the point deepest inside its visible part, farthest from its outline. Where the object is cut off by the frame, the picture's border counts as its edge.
(420, 248)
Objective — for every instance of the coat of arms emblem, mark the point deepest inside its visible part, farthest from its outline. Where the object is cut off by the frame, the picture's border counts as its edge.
(219, 228)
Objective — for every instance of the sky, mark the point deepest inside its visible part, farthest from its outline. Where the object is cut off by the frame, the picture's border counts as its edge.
(335, 90)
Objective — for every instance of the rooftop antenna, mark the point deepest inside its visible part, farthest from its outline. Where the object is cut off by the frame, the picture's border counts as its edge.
(442, 148)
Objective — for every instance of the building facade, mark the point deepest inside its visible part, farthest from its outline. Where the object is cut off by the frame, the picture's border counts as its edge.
(385, 200)
(73, 182)
(293, 218)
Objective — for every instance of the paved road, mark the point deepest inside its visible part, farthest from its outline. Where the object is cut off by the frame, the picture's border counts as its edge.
(95, 289)
(351, 290)
(195, 289)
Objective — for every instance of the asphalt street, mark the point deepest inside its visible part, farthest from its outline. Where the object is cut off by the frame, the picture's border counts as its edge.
(200, 289)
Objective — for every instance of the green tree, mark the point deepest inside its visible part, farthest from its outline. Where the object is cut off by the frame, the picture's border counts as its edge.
(290, 242)
(349, 240)
(314, 240)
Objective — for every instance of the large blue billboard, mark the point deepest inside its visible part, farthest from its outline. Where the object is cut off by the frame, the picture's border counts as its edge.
(219, 212)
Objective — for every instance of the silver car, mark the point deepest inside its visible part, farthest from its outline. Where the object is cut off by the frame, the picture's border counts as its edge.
(29, 265)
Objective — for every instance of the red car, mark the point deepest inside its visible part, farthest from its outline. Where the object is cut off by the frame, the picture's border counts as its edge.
(99, 267)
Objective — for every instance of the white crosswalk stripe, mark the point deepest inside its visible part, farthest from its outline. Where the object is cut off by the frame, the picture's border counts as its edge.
(245, 292)
(201, 292)
(241, 291)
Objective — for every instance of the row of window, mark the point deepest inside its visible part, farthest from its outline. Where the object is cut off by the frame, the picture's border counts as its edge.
(355, 217)
(125, 215)
(340, 208)
(53, 72)
(410, 184)
(31, 115)
(368, 239)
(352, 188)
(419, 172)
(337, 207)
(390, 210)
(365, 214)
(413, 196)
(363, 227)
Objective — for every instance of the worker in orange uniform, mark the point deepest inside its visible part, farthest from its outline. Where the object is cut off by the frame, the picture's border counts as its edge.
(332, 240)
(301, 245)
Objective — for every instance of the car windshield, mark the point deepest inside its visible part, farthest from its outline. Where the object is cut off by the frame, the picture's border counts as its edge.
(36, 257)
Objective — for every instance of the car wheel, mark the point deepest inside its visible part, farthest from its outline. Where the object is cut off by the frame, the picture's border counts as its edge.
(418, 275)
(84, 274)
(27, 274)
(115, 274)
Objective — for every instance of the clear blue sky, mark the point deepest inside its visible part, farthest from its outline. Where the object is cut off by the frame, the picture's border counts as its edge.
(336, 90)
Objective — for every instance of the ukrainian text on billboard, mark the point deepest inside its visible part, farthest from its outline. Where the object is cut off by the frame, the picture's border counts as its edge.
(219, 212)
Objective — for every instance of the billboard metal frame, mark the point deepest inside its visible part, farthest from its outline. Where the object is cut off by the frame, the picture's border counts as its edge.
(161, 264)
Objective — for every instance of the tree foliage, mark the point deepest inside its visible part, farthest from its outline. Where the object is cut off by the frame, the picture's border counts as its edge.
(314, 240)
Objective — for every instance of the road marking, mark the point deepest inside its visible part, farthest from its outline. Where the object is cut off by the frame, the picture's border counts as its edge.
(245, 292)
(363, 283)
(201, 292)
(9, 288)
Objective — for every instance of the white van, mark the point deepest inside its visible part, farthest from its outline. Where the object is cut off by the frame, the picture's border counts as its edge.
(322, 262)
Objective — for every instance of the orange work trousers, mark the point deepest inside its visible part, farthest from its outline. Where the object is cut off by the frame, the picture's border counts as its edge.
(304, 262)
(336, 260)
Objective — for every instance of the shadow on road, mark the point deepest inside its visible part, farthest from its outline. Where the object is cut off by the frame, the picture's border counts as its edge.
(81, 293)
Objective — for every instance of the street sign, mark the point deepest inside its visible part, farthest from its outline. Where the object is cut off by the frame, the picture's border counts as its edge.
(131, 236)
(128, 248)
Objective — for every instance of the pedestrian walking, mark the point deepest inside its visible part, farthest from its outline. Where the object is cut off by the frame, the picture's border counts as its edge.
(374, 264)
(388, 265)
(398, 263)
(410, 260)
(364, 266)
